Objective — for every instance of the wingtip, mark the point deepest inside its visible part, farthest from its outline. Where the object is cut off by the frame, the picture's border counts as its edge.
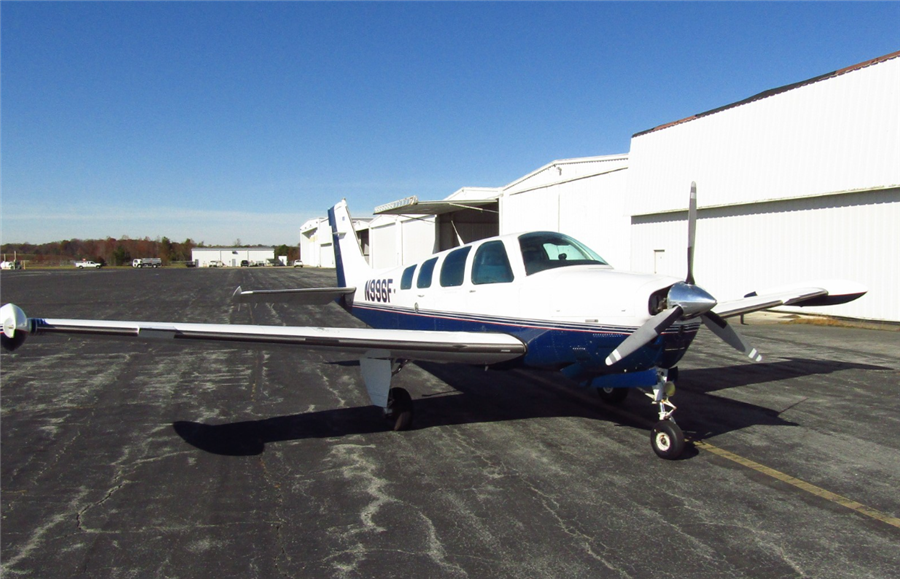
(15, 326)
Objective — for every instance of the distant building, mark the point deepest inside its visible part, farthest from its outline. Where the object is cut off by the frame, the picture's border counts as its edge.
(231, 256)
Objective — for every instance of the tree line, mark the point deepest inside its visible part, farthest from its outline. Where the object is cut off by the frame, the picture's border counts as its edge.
(111, 251)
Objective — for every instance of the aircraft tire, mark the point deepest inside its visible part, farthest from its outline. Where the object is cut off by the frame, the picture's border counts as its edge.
(400, 409)
(613, 395)
(667, 440)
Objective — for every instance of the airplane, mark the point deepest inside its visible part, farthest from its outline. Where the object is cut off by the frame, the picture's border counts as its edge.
(538, 300)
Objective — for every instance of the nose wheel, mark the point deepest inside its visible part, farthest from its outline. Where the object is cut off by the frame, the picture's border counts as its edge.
(667, 440)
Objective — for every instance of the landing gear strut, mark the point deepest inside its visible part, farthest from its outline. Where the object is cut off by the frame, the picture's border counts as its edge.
(666, 438)
(399, 409)
(377, 371)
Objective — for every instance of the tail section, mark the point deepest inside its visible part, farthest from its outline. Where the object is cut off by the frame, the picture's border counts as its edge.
(351, 265)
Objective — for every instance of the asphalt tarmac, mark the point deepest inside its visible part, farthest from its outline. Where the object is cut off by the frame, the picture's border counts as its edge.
(126, 459)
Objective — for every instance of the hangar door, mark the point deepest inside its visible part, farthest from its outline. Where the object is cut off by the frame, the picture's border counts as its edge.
(460, 227)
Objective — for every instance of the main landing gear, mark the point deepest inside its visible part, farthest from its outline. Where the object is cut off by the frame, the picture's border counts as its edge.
(377, 371)
(399, 409)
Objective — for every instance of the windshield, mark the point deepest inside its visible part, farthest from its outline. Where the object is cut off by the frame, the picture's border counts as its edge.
(547, 250)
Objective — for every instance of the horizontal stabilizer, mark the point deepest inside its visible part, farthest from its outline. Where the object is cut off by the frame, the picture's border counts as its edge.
(302, 296)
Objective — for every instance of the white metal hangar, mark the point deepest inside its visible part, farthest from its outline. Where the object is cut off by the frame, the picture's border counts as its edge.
(797, 183)
(315, 241)
(231, 256)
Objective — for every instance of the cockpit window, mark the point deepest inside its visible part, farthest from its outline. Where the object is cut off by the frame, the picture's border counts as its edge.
(547, 250)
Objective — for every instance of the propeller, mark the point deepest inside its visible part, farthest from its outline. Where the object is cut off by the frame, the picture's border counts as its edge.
(686, 300)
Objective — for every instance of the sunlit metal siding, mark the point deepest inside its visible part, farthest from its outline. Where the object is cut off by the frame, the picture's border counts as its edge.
(834, 135)
(397, 240)
(310, 242)
(384, 237)
(799, 184)
(584, 198)
(566, 170)
(762, 245)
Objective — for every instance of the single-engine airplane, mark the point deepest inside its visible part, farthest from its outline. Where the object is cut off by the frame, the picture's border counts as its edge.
(534, 300)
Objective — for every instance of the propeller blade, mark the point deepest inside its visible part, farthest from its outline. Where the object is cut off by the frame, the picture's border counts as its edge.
(721, 328)
(692, 233)
(645, 334)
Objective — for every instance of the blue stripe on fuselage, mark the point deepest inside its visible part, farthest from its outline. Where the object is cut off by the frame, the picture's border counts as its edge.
(550, 345)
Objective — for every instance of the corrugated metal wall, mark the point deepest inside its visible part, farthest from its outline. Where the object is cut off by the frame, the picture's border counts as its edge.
(419, 239)
(398, 240)
(798, 186)
(583, 199)
(749, 248)
(835, 135)
(385, 243)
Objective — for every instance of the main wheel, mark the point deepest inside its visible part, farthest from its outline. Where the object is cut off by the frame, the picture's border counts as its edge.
(399, 409)
(667, 440)
(613, 395)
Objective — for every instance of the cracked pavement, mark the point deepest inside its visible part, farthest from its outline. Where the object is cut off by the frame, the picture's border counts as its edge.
(135, 460)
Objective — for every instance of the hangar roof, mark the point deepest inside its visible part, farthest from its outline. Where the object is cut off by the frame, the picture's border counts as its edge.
(775, 91)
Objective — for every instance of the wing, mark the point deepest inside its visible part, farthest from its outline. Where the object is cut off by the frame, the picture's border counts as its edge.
(828, 293)
(461, 347)
(304, 296)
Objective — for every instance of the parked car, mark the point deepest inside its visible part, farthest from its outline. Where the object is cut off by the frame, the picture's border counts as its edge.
(297, 263)
(245, 263)
(85, 264)
(215, 263)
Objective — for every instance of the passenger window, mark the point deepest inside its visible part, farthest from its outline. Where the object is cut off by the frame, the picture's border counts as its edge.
(425, 273)
(491, 264)
(453, 271)
(406, 280)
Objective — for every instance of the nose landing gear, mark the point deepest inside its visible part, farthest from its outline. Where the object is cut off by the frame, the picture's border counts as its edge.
(666, 438)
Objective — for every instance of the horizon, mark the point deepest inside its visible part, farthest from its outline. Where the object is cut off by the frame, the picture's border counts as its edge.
(222, 121)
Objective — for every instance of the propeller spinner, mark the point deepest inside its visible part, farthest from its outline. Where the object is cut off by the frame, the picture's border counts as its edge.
(685, 300)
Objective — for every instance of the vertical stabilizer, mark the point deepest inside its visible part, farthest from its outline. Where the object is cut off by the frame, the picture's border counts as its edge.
(351, 265)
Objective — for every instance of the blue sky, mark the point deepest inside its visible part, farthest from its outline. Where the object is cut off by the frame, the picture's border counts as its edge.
(226, 120)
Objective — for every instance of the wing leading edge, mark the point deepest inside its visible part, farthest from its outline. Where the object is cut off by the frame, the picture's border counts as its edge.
(817, 294)
(431, 346)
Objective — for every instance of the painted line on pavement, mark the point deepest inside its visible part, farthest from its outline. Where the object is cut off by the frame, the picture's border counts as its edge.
(800, 484)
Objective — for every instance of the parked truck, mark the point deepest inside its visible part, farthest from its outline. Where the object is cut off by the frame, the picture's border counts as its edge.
(146, 262)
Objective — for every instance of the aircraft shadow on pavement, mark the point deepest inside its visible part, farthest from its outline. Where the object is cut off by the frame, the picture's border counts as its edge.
(714, 379)
(709, 415)
(484, 397)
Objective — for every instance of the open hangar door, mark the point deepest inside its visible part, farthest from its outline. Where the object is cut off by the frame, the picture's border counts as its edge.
(455, 222)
